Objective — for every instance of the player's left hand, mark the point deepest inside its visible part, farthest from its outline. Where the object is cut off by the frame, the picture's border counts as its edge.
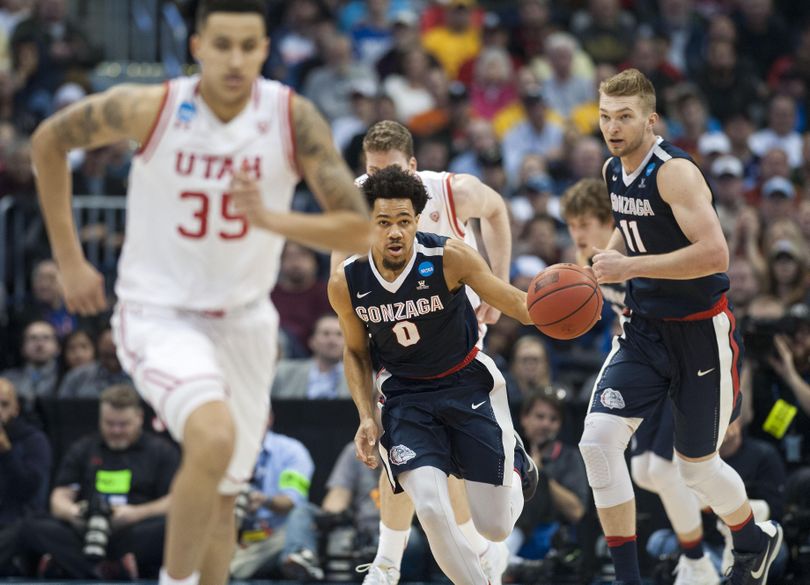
(365, 442)
(247, 199)
(487, 314)
(610, 266)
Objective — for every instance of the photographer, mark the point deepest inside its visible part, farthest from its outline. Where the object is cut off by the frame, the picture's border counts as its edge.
(774, 381)
(563, 492)
(110, 498)
(25, 462)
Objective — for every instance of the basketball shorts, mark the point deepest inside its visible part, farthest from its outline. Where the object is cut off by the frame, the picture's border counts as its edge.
(656, 433)
(180, 360)
(459, 423)
(694, 363)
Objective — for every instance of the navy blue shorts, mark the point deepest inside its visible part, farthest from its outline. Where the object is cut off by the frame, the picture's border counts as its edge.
(696, 363)
(459, 423)
(656, 433)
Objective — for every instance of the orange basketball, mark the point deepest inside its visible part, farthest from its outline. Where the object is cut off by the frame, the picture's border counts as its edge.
(564, 301)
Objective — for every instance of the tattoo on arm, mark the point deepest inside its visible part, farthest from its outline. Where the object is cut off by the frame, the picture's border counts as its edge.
(75, 129)
(113, 114)
(324, 169)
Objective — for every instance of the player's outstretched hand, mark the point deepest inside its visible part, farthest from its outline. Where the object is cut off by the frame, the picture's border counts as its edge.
(610, 266)
(487, 314)
(365, 442)
(247, 199)
(83, 288)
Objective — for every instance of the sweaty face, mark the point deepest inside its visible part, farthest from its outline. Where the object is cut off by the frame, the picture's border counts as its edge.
(231, 48)
(386, 158)
(394, 232)
(120, 427)
(623, 123)
(588, 233)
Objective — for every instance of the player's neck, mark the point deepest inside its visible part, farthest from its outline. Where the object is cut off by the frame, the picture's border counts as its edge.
(389, 274)
(631, 161)
(225, 112)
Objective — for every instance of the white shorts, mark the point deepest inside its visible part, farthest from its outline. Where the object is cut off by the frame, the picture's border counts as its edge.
(180, 360)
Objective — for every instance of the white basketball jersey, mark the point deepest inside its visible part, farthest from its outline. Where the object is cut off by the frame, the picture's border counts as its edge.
(185, 244)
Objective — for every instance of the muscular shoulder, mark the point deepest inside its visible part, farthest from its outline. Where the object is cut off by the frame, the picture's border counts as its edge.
(470, 195)
(338, 289)
(457, 259)
(680, 178)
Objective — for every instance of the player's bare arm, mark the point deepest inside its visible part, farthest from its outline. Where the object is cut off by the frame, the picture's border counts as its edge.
(463, 265)
(344, 223)
(475, 199)
(357, 367)
(682, 186)
(123, 112)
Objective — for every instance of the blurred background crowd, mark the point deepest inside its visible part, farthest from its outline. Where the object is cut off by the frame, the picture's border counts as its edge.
(503, 90)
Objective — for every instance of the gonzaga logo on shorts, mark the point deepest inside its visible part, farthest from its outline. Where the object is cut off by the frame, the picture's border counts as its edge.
(400, 455)
(612, 399)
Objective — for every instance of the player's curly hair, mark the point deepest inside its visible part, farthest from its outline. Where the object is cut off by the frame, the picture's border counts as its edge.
(394, 183)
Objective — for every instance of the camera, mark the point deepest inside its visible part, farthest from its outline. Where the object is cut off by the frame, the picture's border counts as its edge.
(97, 533)
(758, 334)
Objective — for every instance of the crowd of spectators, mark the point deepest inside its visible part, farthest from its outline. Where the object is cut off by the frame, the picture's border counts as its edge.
(505, 91)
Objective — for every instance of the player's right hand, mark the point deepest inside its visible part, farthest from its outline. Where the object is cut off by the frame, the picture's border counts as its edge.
(83, 289)
(365, 442)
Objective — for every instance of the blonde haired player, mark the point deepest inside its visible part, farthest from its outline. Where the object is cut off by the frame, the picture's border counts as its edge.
(587, 213)
(208, 209)
(679, 342)
(454, 200)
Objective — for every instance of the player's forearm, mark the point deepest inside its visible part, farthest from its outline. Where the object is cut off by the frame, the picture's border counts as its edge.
(54, 188)
(696, 260)
(343, 230)
(616, 242)
(358, 372)
(566, 501)
(508, 300)
(497, 239)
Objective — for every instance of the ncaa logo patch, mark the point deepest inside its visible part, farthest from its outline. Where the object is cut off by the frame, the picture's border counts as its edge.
(400, 455)
(650, 169)
(426, 268)
(186, 112)
(611, 398)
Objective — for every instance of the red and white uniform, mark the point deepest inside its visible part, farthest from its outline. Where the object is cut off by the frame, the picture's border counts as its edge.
(194, 322)
(439, 217)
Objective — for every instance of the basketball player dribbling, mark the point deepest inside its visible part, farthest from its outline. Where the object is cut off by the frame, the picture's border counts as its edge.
(679, 341)
(208, 209)
(453, 200)
(404, 307)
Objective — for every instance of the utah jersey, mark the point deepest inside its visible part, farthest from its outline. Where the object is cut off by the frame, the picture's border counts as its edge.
(648, 226)
(418, 328)
(186, 246)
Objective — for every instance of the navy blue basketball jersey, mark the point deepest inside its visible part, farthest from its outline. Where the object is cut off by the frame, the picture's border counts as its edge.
(648, 226)
(418, 328)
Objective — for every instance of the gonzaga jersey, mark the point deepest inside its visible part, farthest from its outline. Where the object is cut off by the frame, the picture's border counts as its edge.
(417, 327)
(648, 226)
(185, 244)
(439, 216)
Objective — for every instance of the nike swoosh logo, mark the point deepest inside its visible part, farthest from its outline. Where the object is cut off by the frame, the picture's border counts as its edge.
(758, 573)
(360, 296)
(702, 373)
(475, 406)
